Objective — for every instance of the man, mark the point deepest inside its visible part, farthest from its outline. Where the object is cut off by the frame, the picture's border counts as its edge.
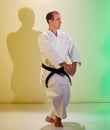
(55, 46)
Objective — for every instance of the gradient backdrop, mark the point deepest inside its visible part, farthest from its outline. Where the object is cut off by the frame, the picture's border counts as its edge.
(86, 21)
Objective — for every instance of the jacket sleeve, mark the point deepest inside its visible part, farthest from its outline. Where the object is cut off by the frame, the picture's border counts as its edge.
(73, 53)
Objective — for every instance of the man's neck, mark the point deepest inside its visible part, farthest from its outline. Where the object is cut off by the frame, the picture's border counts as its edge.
(53, 30)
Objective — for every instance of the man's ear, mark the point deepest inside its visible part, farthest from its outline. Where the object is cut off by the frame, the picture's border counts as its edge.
(50, 21)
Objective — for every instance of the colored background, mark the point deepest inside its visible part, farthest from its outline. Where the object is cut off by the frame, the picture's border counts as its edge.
(86, 21)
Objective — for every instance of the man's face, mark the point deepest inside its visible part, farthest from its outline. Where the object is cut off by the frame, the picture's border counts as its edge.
(56, 22)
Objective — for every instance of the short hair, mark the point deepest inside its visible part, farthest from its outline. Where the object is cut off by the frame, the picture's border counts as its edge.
(50, 16)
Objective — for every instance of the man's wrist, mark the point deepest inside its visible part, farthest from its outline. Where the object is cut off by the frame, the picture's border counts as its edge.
(74, 63)
(63, 64)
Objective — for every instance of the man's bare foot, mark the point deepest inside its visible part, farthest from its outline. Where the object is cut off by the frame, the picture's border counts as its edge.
(50, 120)
(58, 122)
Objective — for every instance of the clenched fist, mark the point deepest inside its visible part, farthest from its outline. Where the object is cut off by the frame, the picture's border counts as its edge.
(69, 68)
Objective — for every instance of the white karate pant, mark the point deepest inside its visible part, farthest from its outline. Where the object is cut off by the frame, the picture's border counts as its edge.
(58, 92)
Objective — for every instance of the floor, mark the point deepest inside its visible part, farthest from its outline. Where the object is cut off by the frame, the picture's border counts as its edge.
(93, 116)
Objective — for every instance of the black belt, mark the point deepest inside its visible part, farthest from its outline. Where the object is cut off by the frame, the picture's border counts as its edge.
(53, 71)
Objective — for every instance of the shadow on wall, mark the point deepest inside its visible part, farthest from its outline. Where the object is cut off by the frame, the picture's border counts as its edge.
(66, 126)
(25, 55)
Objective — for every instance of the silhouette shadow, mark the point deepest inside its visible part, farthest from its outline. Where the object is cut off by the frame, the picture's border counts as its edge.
(66, 126)
(26, 59)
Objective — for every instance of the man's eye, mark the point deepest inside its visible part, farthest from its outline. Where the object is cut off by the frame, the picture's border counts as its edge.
(58, 19)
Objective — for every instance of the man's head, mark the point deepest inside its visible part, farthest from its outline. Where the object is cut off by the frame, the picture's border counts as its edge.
(54, 19)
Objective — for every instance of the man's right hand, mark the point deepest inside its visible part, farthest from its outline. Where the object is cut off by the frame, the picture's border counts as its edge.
(69, 68)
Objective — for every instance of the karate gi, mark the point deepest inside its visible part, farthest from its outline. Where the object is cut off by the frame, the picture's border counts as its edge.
(55, 50)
